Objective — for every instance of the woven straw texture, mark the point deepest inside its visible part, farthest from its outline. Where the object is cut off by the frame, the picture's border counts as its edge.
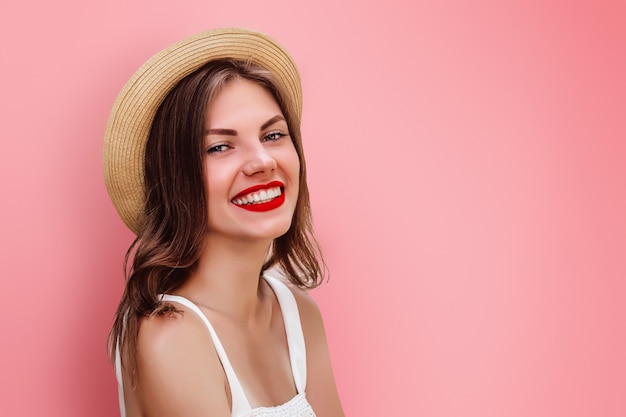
(132, 114)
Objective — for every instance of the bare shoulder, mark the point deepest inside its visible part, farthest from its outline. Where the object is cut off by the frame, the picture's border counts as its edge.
(310, 314)
(321, 390)
(177, 366)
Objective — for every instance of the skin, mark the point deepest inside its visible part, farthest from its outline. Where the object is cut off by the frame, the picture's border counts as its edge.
(179, 373)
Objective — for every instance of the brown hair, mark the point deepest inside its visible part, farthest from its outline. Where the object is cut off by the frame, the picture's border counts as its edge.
(171, 238)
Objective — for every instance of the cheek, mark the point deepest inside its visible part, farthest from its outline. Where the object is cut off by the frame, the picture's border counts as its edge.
(293, 161)
(216, 181)
(294, 171)
(296, 164)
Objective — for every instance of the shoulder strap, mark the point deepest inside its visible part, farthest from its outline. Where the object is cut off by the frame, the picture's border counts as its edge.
(120, 382)
(293, 328)
(239, 399)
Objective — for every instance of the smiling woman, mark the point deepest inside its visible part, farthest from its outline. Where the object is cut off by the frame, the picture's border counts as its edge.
(204, 162)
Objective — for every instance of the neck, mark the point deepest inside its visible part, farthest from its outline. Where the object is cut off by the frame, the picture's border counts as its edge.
(227, 276)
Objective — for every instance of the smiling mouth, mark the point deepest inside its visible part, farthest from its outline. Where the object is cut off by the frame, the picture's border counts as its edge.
(259, 197)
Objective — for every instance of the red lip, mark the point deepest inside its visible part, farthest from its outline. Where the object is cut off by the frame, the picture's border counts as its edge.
(270, 205)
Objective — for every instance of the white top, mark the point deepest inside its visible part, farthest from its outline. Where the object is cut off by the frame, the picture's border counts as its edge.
(298, 406)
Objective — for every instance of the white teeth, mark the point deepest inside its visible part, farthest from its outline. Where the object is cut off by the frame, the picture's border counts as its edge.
(262, 196)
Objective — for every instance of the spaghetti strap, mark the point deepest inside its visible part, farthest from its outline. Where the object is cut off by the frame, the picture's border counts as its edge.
(240, 404)
(118, 376)
(293, 328)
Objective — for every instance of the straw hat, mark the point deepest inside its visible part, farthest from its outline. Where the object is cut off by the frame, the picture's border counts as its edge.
(136, 105)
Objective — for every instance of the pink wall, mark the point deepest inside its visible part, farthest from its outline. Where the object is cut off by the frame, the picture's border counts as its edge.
(468, 172)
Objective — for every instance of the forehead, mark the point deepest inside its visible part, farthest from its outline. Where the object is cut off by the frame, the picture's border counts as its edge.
(241, 100)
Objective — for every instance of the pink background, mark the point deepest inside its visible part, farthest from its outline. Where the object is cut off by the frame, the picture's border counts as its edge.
(467, 167)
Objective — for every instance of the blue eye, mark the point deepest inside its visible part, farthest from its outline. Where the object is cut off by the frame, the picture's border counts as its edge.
(274, 136)
(218, 148)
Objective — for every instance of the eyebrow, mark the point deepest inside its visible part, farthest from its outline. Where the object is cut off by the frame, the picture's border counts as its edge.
(227, 132)
(233, 132)
(271, 121)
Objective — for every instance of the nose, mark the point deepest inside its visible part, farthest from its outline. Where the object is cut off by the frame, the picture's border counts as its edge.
(258, 160)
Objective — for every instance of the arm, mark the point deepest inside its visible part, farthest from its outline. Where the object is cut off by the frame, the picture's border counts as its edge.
(321, 390)
(179, 373)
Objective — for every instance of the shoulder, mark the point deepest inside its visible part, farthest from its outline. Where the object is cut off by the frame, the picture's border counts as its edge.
(321, 389)
(177, 364)
(312, 324)
(173, 330)
(310, 315)
(311, 320)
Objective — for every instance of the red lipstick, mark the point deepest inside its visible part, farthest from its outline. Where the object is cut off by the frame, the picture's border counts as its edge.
(266, 206)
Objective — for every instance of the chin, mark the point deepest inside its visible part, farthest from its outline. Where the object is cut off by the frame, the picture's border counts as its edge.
(275, 232)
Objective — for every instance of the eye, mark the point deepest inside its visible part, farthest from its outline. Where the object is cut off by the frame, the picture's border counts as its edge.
(274, 136)
(219, 148)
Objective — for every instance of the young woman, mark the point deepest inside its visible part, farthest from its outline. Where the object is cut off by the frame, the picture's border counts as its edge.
(204, 162)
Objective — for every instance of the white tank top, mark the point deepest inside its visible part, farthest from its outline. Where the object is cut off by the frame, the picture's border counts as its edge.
(298, 406)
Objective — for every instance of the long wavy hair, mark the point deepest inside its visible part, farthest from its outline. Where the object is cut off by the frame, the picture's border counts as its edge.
(171, 239)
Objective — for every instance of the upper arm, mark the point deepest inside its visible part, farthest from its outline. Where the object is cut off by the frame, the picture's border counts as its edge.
(321, 390)
(178, 370)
